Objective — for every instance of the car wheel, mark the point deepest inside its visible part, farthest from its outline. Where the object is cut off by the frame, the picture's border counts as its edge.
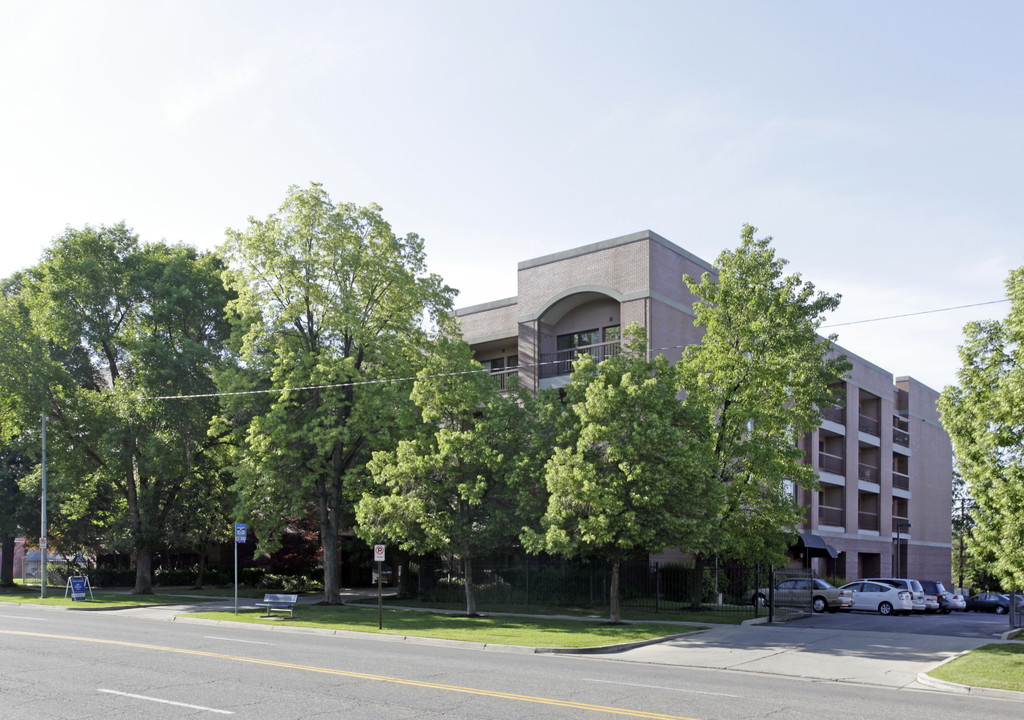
(819, 604)
(1000, 610)
(885, 608)
(760, 600)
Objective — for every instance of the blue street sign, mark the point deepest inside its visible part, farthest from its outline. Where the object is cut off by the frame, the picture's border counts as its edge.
(239, 532)
(77, 588)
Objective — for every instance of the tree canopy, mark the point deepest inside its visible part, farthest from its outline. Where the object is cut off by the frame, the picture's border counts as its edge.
(332, 306)
(112, 324)
(764, 372)
(630, 474)
(984, 416)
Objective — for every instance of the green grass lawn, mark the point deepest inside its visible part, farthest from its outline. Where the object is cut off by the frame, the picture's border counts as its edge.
(55, 596)
(504, 630)
(999, 666)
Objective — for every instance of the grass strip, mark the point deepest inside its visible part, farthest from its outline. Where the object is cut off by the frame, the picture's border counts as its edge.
(502, 630)
(999, 666)
(55, 596)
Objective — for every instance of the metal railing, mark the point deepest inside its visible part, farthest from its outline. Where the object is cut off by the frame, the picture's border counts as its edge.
(560, 363)
(900, 481)
(869, 425)
(832, 463)
(835, 516)
(902, 522)
(867, 473)
(835, 414)
(867, 521)
(504, 377)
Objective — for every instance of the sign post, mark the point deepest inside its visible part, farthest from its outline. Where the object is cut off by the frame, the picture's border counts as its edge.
(378, 556)
(239, 538)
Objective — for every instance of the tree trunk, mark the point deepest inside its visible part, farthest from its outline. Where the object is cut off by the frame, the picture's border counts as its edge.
(143, 572)
(329, 542)
(467, 565)
(614, 610)
(200, 572)
(697, 597)
(7, 566)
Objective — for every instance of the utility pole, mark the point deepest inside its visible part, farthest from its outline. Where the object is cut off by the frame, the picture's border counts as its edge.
(42, 523)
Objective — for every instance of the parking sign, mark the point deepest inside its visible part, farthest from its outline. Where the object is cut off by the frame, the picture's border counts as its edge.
(378, 553)
(239, 532)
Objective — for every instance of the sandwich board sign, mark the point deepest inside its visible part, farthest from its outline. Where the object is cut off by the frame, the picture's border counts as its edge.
(78, 586)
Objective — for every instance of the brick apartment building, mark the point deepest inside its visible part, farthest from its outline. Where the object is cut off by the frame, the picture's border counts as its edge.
(884, 462)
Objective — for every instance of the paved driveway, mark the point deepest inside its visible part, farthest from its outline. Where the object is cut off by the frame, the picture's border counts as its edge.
(958, 624)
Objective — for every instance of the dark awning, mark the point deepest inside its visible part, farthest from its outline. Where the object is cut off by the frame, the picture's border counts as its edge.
(815, 546)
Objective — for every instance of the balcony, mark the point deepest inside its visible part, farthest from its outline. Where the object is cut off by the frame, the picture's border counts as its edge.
(867, 473)
(867, 521)
(835, 414)
(835, 464)
(869, 425)
(900, 481)
(504, 377)
(900, 431)
(560, 363)
(835, 516)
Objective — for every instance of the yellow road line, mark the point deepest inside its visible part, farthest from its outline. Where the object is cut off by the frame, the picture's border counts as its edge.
(363, 676)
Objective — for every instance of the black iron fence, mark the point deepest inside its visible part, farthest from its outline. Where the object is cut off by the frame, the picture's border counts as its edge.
(644, 587)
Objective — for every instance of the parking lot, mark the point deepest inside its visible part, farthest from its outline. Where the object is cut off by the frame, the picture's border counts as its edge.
(957, 624)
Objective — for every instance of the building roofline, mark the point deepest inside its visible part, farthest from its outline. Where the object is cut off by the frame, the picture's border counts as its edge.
(484, 307)
(616, 242)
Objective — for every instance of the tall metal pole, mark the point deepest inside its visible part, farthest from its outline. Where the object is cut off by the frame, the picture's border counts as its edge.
(42, 523)
(898, 550)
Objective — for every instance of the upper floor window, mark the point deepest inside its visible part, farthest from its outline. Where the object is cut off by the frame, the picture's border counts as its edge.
(579, 339)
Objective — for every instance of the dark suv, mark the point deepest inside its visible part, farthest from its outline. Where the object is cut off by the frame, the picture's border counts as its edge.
(935, 589)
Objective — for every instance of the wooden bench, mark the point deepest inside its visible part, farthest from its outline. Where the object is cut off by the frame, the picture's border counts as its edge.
(278, 602)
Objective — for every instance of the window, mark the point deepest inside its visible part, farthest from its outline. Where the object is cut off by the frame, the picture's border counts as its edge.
(579, 339)
(612, 333)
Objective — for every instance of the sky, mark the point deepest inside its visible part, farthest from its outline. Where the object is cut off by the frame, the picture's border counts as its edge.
(880, 144)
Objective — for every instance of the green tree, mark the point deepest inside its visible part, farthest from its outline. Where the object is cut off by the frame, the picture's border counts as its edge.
(333, 306)
(455, 488)
(764, 372)
(630, 475)
(984, 416)
(16, 510)
(113, 325)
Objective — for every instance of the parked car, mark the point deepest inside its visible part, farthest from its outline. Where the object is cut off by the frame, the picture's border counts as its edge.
(989, 602)
(879, 597)
(915, 590)
(800, 592)
(954, 600)
(935, 592)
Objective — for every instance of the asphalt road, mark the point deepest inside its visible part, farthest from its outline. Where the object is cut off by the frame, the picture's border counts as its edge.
(957, 624)
(64, 664)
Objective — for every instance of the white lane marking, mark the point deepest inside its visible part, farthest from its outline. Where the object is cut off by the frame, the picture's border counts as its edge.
(165, 702)
(251, 642)
(22, 617)
(661, 687)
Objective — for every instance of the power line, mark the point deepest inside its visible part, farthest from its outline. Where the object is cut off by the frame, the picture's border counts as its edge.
(914, 314)
(537, 365)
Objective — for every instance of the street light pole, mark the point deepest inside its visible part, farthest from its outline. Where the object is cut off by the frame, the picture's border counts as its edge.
(899, 548)
(42, 522)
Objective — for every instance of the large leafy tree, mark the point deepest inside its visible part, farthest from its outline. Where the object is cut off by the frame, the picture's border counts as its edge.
(630, 475)
(333, 306)
(114, 325)
(457, 487)
(764, 372)
(16, 510)
(984, 416)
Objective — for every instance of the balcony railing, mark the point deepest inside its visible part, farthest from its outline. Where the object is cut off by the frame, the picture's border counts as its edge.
(832, 463)
(867, 521)
(900, 437)
(900, 521)
(560, 363)
(900, 481)
(869, 425)
(504, 377)
(835, 414)
(831, 516)
(867, 473)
